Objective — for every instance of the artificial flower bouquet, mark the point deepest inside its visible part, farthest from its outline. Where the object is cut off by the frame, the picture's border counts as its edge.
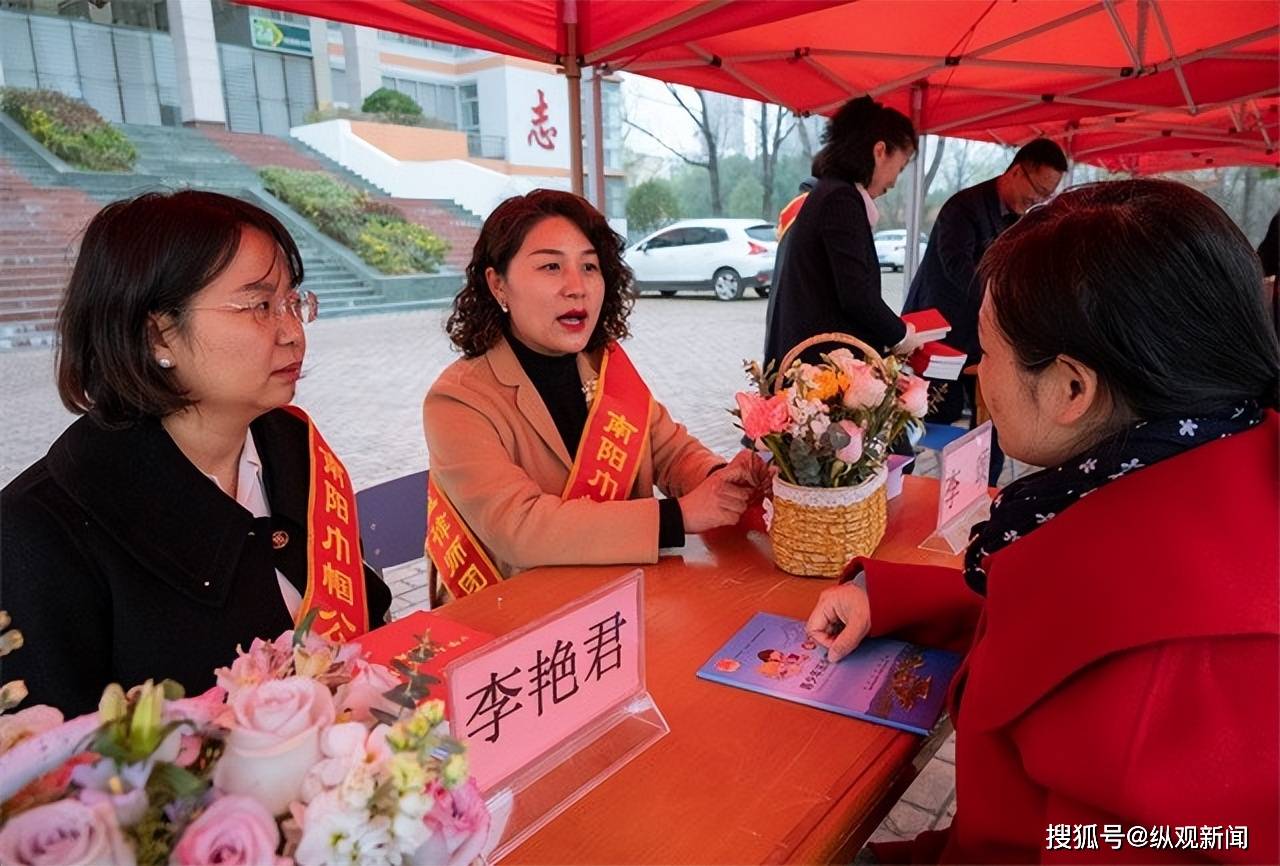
(829, 427)
(304, 752)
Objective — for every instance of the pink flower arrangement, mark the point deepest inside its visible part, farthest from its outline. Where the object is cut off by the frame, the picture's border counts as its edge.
(831, 424)
(297, 756)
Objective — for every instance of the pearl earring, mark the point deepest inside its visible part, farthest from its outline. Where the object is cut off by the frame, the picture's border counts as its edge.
(503, 306)
(165, 363)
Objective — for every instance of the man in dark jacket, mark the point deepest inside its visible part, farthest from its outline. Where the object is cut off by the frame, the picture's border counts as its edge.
(967, 224)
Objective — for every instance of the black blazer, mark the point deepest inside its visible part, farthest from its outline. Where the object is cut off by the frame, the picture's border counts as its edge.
(120, 561)
(947, 279)
(829, 279)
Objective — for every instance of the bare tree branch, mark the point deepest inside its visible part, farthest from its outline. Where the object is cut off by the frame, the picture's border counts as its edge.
(704, 125)
(683, 156)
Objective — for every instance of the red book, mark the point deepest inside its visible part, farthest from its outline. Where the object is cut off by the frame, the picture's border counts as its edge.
(391, 644)
(930, 324)
(938, 361)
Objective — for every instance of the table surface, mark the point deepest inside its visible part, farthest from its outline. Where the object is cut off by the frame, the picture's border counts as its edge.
(740, 778)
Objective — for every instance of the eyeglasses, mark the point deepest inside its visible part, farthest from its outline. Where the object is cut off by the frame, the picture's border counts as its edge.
(1040, 194)
(302, 306)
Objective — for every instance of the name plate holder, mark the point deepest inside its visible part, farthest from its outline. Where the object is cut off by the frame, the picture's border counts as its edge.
(963, 495)
(553, 709)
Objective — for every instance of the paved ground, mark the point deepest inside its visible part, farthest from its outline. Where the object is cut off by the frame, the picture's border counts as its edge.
(365, 381)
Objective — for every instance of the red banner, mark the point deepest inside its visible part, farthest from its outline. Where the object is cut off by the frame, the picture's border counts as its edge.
(335, 571)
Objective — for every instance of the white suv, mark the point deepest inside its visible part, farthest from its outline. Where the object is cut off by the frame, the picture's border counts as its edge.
(724, 256)
(891, 248)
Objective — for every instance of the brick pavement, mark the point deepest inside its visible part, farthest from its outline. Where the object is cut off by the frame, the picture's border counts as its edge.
(365, 381)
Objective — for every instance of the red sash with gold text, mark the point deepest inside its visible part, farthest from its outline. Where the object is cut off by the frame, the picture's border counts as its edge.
(335, 571)
(614, 440)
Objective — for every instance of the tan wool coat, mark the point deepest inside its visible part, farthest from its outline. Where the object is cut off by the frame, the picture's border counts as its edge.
(498, 456)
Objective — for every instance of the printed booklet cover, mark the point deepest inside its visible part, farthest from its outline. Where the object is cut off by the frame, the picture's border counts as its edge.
(422, 643)
(888, 682)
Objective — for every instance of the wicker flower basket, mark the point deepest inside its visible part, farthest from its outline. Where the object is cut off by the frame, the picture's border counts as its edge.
(817, 530)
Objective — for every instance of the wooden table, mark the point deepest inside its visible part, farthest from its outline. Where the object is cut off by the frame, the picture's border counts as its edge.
(741, 778)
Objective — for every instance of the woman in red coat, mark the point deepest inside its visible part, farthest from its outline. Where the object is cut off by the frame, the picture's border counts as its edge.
(1119, 700)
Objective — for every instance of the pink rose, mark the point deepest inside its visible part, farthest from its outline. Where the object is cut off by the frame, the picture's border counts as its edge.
(274, 739)
(852, 452)
(761, 416)
(459, 824)
(865, 389)
(30, 722)
(913, 395)
(365, 692)
(233, 831)
(65, 833)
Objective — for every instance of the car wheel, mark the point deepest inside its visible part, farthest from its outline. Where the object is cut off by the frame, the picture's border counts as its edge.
(667, 293)
(762, 291)
(727, 284)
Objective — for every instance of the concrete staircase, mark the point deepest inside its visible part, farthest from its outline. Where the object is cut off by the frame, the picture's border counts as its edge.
(39, 237)
(45, 209)
(457, 226)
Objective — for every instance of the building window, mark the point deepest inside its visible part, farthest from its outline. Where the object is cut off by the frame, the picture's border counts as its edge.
(430, 45)
(439, 102)
(611, 111)
(469, 108)
(282, 17)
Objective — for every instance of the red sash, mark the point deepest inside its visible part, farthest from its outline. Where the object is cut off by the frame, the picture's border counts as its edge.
(614, 440)
(788, 214)
(335, 571)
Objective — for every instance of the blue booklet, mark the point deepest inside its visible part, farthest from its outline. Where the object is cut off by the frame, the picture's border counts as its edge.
(888, 682)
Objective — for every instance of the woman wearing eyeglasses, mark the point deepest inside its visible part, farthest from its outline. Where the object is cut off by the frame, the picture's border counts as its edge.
(190, 509)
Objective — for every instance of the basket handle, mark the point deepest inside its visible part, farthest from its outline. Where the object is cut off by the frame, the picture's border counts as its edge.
(873, 357)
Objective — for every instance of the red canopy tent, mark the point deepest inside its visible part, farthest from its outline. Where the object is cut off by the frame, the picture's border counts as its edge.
(978, 65)
(1244, 133)
(1185, 73)
(568, 33)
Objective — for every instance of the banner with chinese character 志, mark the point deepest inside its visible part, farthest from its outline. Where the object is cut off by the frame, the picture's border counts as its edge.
(335, 571)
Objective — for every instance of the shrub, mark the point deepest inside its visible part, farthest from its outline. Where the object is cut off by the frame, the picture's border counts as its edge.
(394, 105)
(70, 129)
(322, 114)
(376, 230)
(399, 247)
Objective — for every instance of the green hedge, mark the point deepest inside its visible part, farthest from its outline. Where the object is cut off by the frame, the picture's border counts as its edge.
(70, 129)
(421, 120)
(384, 100)
(375, 230)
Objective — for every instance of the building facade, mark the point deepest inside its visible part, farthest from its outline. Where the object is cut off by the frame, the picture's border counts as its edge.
(222, 64)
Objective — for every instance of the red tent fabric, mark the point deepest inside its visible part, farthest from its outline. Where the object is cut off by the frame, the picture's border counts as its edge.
(988, 64)
(999, 70)
(1245, 133)
(535, 29)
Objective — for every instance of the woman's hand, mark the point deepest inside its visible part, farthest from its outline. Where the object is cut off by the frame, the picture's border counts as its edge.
(840, 620)
(719, 500)
(909, 343)
(748, 469)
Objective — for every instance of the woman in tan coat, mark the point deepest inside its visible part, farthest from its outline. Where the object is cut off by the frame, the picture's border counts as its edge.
(545, 443)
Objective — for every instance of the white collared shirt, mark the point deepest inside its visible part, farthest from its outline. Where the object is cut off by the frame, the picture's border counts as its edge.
(252, 496)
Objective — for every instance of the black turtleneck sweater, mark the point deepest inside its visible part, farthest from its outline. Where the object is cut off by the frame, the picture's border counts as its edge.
(560, 387)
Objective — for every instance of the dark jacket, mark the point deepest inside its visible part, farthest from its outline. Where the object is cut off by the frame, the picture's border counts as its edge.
(1269, 249)
(947, 279)
(829, 279)
(120, 561)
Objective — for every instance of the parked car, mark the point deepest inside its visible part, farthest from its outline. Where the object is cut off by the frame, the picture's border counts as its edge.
(723, 256)
(891, 248)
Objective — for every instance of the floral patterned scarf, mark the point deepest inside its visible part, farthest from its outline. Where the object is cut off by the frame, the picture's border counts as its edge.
(1030, 502)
